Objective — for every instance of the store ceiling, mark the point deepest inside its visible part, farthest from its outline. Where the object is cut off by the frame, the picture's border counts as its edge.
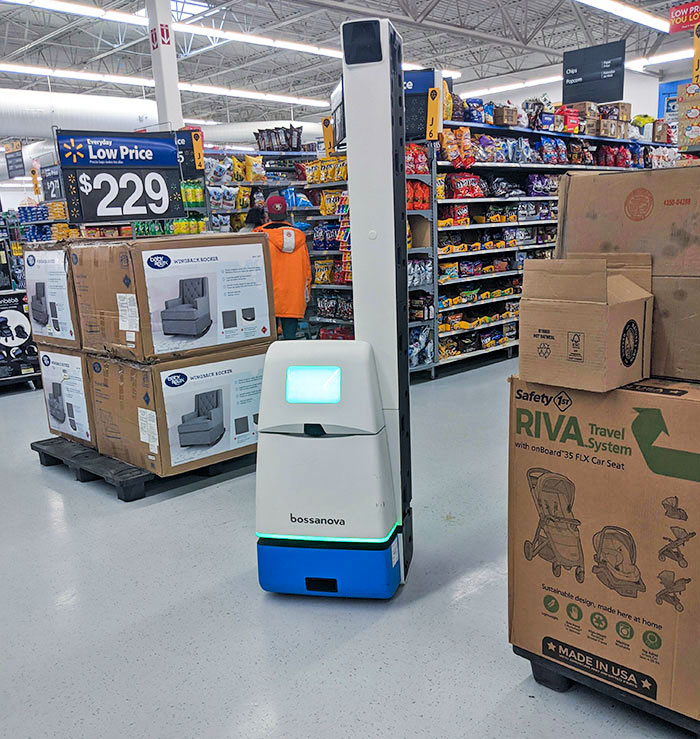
(481, 38)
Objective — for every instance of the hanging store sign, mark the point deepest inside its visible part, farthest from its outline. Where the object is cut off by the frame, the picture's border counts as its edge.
(112, 177)
(683, 17)
(596, 73)
(190, 153)
(14, 159)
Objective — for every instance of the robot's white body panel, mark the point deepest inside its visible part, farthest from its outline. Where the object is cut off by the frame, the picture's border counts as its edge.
(334, 441)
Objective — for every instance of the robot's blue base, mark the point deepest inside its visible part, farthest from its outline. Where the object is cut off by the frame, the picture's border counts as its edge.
(287, 566)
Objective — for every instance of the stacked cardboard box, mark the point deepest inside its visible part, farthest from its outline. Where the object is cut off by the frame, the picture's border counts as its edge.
(604, 560)
(688, 115)
(54, 318)
(173, 334)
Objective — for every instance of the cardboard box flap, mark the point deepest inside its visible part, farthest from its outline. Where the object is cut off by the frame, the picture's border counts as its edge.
(635, 266)
(621, 289)
(582, 280)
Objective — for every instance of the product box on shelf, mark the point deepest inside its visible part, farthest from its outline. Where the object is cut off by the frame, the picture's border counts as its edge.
(619, 110)
(623, 129)
(18, 352)
(179, 296)
(656, 212)
(688, 115)
(660, 132)
(547, 122)
(504, 115)
(67, 394)
(586, 323)
(609, 128)
(176, 416)
(590, 126)
(52, 306)
(560, 123)
(603, 557)
(586, 109)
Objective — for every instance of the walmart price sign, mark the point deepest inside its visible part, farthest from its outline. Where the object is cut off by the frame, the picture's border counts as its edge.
(117, 177)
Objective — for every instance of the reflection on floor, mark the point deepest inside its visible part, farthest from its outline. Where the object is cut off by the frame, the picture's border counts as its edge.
(145, 619)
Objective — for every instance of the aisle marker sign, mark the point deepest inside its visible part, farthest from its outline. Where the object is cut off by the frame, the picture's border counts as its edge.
(432, 122)
(684, 17)
(120, 177)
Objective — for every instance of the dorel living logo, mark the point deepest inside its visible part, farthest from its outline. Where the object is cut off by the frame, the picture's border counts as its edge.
(158, 261)
(177, 379)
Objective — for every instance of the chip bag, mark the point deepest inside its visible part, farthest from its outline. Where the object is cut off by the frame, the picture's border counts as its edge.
(254, 170)
(323, 269)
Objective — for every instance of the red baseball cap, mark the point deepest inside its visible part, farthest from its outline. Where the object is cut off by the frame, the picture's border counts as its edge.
(276, 205)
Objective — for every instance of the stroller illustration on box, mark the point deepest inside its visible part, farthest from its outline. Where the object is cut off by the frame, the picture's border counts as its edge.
(616, 561)
(672, 589)
(556, 538)
(672, 550)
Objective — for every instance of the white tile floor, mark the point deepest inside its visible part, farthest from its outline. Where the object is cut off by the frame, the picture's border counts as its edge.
(145, 620)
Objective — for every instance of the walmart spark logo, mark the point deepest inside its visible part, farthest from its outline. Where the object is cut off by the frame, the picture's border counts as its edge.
(72, 151)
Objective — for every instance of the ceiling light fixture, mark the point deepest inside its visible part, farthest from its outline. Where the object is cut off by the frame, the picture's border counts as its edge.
(680, 55)
(201, 122)
(136, 19)
(629, 13)
(119, 79)
(512, 86)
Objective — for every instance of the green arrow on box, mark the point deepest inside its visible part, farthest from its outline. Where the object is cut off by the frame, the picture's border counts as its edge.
(646, 428)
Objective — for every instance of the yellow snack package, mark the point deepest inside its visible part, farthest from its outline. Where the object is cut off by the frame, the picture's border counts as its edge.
(323, 269)
(446, 102)
(238, 170)
(409, 235)
(341, 168)
(440, 189)
(254, 170)
(329, 202)
(313, 171)
(327, 171)
(243, 197)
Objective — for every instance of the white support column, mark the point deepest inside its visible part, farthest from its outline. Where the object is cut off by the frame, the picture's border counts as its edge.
(164, 62)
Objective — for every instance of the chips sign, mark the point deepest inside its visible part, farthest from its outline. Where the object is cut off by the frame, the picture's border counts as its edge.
(684, 17)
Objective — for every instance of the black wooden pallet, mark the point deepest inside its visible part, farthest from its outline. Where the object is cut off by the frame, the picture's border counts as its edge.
(130, 482)
(560, 678)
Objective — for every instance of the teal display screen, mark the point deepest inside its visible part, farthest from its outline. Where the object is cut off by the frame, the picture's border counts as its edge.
(313, 384)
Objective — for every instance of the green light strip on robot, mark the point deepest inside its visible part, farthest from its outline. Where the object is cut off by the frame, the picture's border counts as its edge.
(330, 538)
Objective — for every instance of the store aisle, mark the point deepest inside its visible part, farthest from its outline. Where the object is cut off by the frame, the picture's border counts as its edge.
(145, 620)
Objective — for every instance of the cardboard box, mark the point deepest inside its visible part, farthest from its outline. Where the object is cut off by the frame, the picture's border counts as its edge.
(586, 109)
(660, 132)
(589, 126)
(620, 111)
(559, 123)
(608, 128)
(52, 307)
(21, 358)
(67, 394)
(656, 212)
(623, 130)
(505, 116)
(586, 323)
(547, 122)
(596, 501)
(128, 295)
(176, 416)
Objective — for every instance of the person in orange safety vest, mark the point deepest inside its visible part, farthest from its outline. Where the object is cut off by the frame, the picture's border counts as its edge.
(291, 267)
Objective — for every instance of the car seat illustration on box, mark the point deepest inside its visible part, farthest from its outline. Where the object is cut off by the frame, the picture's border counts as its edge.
(556, 538)
(38, 306)
(188, 314)
(672, 589)
(672, 508)
(205, 425)
(672, 550)
(616, 558)
(56, 408)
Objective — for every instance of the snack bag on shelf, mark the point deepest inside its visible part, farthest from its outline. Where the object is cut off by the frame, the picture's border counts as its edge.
(420, 160)
(341, 168)
(323, 269)
(326, 305)
(474, 110)
(440, 189)
(460, 214)
(446, 102)
(449, 148)
(409, 235)
(300, 171)
(216, 197)
(410, 162)
(238, 170)
(243, 197)
(329, 202)
(254, 170)
(327, 170)
(229, 196)
(448, 271)
(313, 171)
(457, 107)
(410, 193)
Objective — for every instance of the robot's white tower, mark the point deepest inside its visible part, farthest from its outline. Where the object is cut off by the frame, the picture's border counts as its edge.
(334, 467)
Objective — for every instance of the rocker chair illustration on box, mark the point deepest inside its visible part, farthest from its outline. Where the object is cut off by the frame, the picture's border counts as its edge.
(56, 408)
(205, 425)
(188, 314)
(39, 305)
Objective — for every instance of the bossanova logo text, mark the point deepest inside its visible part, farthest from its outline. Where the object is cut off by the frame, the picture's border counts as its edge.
(158, 261)
(312, 519)
(177, 379)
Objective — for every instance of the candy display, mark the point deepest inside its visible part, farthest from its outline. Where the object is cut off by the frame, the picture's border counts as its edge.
(420, 346)
(420, 272)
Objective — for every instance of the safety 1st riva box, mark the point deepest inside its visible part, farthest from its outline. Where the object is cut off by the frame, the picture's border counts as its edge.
(586, 323)
(50, 295)
(157, 299)
(67, 394)
(603, 552)
(176, 416)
